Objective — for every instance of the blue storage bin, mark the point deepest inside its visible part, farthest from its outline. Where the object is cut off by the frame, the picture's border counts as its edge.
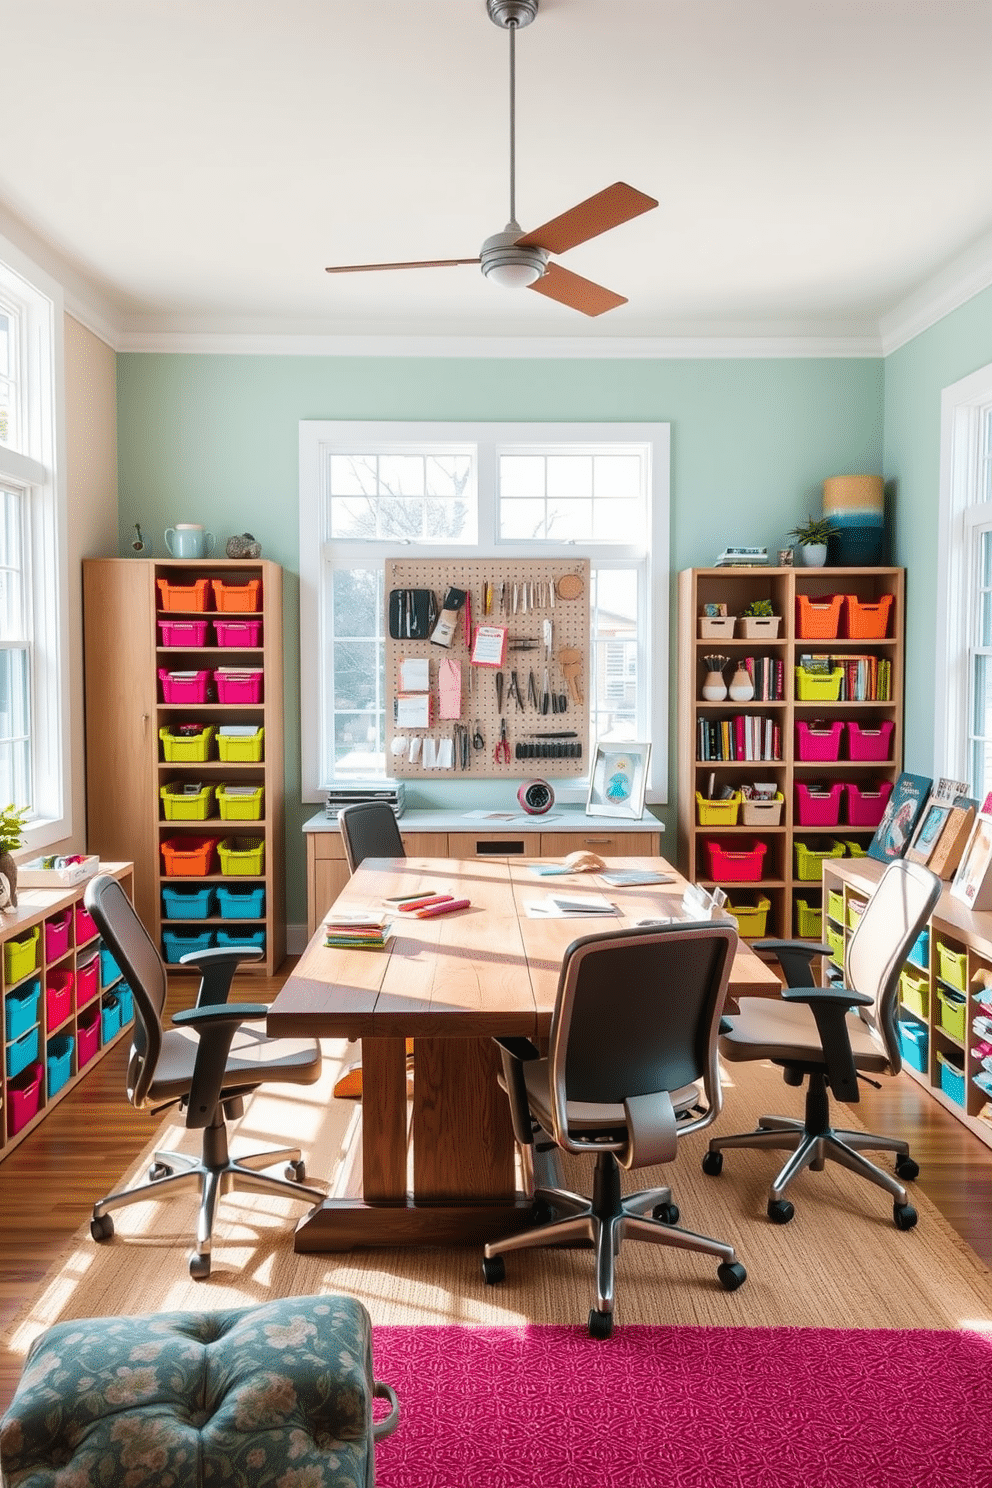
(125, 997)
(109, 970)
(59, 1060)
(920, 953)
(188, 903)
(914, 1042)
(242, 939)
(23, 1052)
(21, 1009)
(241, 903)
(110, 1018)
(951, 1079)
(176, 943)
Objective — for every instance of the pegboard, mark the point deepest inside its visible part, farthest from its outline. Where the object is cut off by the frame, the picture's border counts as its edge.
(528, 727)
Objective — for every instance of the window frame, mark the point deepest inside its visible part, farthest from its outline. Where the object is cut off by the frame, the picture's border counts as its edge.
(36, 467)
(321, 437)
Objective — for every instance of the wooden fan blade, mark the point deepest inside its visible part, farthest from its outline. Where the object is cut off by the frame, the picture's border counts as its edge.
(618, 203)
(427, 263)
(578, 293)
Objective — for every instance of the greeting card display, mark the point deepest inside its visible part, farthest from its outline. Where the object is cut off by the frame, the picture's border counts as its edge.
(902, 812)
(973, 880)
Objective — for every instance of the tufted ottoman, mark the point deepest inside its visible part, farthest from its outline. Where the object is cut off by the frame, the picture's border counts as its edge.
(275, 1395)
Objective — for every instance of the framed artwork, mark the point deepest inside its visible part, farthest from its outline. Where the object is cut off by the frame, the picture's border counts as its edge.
(973, 879)
(618, 779)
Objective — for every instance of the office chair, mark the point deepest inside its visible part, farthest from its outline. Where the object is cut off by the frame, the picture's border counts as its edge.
(208, 1063)
(832, 1036)
(633, 1033)
(369, 830)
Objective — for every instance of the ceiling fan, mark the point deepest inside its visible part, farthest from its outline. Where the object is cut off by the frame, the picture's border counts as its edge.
(519, 260)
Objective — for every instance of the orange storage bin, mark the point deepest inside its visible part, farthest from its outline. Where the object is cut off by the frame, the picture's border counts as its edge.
(188, 857)
(818, 619)
(864, 620)
(238, 597)
(195, 596)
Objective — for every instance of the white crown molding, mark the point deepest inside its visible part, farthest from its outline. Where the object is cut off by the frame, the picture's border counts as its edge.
(951, 287)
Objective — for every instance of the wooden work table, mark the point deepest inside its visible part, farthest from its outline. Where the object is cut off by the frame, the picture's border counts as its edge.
(449, 983)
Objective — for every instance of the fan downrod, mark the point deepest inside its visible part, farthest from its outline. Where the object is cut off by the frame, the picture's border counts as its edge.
(507, 13)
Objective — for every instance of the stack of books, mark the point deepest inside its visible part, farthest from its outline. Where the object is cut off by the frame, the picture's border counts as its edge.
(357, 932)
(742, 558)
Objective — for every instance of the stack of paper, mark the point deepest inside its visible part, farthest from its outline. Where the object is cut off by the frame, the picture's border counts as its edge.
(558, 907)
(357, 932)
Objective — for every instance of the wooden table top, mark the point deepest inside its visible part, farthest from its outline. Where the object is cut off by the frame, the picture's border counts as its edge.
(478, 971)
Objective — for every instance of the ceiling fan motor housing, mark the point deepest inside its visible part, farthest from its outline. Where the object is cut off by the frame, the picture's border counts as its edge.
(507, 263)
(507, 13)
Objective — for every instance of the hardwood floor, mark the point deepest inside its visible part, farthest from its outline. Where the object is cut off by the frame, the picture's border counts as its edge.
(49, 1183)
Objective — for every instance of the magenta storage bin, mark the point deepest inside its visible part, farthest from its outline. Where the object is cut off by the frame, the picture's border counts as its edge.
(238, 632)
(818, 741)
(869, 743)
(183, 632)
(22, 1098)
(85, 925)
(865, 808)
(58, 997)
(88, 1034)
(818, 809)
(239, 687)
(57, 935)
(87, 980)
(735, 859)
(190, 687)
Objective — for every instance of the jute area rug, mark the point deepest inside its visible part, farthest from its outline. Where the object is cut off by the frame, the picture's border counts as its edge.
(841, 1263)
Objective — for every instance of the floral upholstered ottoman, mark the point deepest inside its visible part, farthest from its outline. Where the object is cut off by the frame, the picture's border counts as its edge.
(278, 1396)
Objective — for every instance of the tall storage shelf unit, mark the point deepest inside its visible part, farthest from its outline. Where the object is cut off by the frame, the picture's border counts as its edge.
(846, 751)
(200, 814)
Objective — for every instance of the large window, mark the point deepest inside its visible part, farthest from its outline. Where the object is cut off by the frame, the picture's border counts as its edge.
(33, 694)
(370, 491)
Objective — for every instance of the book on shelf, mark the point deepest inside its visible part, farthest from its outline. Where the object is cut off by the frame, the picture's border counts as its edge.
(864, 679)
(767, 674)
(748, 736)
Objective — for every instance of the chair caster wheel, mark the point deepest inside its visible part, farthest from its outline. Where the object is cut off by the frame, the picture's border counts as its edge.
(157, 1171)
(907, 1168)
(493, 1269)
(296, 1172)
(666, 1213)
(780, 1211)
(713, 1164)
(103, 1228)
(199, 1266)
(600, 1324)
(731, 1275)
(904, 1215)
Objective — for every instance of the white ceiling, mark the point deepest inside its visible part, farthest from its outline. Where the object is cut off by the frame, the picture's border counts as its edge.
(196, 163)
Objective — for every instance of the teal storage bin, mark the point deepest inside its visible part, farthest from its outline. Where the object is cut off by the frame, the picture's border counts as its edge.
(59, 1060)
(914, 1042)
(241, 903)
(109, 970)
(110, 1018)
(920, 953)
(188, 903)
(242, 940)
(22, 1052)
(951, 1079)
(21, 1009)
(125, 997)
(176, 943)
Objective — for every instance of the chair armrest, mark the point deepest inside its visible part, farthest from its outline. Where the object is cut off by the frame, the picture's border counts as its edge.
(830, 1006)
(217, 968)
(215, 1028)
(795, 958)
(515, 1052)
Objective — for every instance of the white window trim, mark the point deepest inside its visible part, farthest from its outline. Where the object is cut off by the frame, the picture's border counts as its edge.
(319, 436)
(40, 468)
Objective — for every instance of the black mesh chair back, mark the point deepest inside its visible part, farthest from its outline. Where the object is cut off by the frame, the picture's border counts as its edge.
(369, 830)
(135, 953)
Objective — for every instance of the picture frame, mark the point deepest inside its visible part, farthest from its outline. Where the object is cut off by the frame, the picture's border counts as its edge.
(972, 882)
(618, 780)
(931, 823)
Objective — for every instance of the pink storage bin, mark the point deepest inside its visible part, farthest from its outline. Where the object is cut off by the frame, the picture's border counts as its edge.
(239, 686)
(23, 1095)
(238, 632)
(818, 741)
(58, 998)
(190, 687)
(85, 925)
(818, 808)
(57, 935)
(88, 1035)
(87, 981)
(735, 859)
(865, 808)
(869, 742)
(183, 632)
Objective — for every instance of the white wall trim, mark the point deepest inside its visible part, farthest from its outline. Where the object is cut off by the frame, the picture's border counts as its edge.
(947, 290)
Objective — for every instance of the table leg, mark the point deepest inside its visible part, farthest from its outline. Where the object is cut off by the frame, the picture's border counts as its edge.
(462, 1136)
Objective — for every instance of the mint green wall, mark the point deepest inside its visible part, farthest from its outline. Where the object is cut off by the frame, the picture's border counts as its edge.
(215, 439)
(915, 376)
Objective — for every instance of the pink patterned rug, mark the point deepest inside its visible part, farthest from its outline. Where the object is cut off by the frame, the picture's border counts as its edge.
(548, 1407)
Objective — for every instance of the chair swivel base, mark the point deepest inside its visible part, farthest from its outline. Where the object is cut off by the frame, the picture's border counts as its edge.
(605, 1221)
(178, 1172)
(811, 1149)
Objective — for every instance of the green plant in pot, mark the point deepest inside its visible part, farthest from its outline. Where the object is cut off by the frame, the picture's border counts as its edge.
(759, 609)
(12, 820)
(812, 537)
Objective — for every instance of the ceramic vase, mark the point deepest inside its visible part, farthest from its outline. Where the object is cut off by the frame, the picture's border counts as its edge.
(814, 554)
(741, 687)
(714, 687)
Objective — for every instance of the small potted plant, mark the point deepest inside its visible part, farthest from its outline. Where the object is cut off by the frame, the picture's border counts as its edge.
(12, 819)
(812, 537)
(759, 621)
